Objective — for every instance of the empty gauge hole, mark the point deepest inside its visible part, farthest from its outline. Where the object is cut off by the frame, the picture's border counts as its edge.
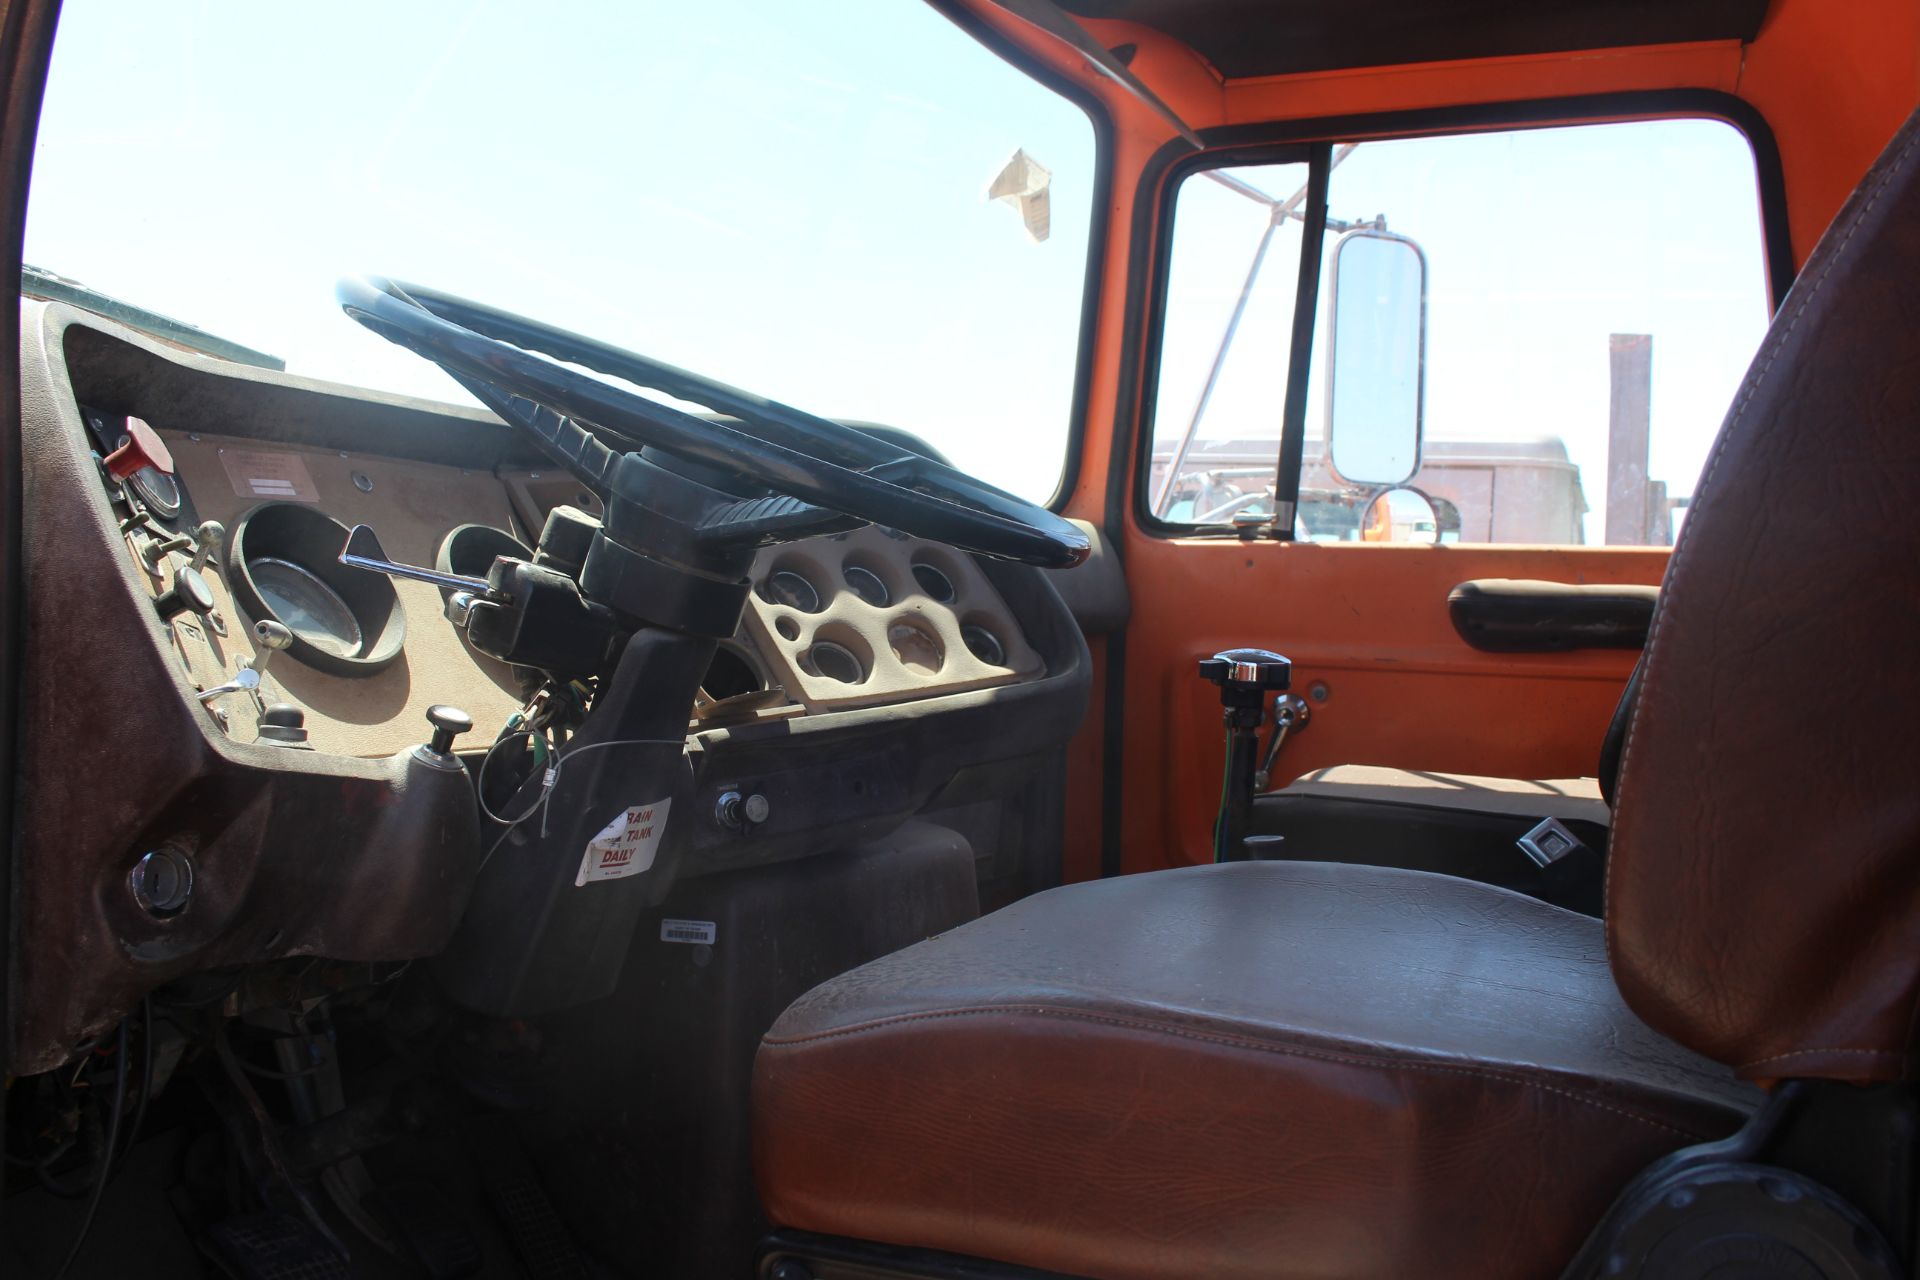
(789, 628)
(835, 662)
(867, 585)
(786, 587)
(984, 645)
(937, 585)
(917, 648)
(730, 674)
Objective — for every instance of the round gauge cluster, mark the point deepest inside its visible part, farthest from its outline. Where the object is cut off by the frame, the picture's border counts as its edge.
(283, 563)
(311, 609)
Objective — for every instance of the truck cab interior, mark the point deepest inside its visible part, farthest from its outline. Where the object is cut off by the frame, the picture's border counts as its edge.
(1298, 662)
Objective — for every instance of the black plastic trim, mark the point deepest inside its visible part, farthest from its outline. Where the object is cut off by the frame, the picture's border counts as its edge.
(1243, 39)
(1279, 142)
(1102, 122)
(837, 1258)
(1509, 615)
(1306, 310)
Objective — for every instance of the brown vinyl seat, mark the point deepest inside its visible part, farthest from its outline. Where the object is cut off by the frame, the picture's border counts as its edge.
(1334, 1070)
(1254, 1069)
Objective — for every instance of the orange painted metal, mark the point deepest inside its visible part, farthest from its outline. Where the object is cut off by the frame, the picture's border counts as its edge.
(1369, 623)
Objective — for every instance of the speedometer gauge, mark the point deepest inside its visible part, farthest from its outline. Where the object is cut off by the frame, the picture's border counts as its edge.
(283, 562)
(311, 609)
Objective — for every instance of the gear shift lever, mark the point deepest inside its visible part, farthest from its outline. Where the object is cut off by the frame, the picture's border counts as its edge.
(1245, 677)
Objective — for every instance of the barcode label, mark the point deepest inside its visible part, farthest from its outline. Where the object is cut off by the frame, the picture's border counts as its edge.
(697, 931)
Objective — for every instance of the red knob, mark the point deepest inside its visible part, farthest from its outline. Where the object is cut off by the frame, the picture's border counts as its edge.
(141, 449)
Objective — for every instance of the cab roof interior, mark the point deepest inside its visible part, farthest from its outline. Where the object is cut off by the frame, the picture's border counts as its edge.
(1247, 38)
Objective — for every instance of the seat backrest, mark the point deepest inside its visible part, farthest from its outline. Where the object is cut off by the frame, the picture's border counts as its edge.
(1763, 895)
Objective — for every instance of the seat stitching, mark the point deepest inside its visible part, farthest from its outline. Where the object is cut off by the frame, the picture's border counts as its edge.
(1242, 1042)
(1713, 465)
(1815, 1053)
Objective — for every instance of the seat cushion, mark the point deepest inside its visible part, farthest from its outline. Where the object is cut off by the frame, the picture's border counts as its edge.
(1254, 1069)
(1568, 799)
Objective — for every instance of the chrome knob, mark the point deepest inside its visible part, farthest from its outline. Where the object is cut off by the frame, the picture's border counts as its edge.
(272, 636)
(206, 538)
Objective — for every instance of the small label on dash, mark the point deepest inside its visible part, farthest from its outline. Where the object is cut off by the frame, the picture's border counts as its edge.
(267, 474)
(701, 932)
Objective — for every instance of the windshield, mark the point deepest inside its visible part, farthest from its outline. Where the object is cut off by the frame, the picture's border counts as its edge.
(790, 198)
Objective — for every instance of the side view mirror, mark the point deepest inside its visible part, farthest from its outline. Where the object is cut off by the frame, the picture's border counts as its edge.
(1376, 357)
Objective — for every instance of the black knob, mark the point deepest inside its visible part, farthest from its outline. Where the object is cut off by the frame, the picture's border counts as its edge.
(283, 723)
(448, 723)
(1254, 671)
(188, 594)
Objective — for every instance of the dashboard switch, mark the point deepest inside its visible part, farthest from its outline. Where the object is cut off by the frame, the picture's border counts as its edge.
(142, 448)
(206, 541)
(188, 594)
(448, 723)
(738, 812)
(283, 725)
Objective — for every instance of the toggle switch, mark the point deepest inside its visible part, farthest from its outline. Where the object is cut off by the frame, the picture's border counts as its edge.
(143, 448)
(188, 594)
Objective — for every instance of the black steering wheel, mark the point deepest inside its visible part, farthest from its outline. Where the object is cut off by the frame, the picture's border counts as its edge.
(586, 424)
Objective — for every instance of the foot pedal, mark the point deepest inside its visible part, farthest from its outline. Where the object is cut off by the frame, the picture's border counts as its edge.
(431, 1229)
(273, 1246)
(545, 1246)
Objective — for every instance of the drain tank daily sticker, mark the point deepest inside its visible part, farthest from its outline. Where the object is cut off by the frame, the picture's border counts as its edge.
(627, 845)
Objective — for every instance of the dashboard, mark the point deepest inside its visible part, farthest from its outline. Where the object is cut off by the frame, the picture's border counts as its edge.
(225, 722)
(856, 619)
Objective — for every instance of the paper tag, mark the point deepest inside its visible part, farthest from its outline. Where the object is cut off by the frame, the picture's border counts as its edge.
(626, 846)
(702, 932)
(262, 473)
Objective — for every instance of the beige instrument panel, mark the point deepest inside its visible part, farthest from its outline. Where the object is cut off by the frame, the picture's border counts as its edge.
(873, 616)
(412, 505)
(867, 617)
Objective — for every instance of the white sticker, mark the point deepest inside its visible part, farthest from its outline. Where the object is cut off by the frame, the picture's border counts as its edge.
(625, 846)
(697, 931)
(263, 473)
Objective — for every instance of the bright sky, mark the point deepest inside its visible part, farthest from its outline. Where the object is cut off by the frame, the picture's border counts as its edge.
(1539, 244)
(787, 197)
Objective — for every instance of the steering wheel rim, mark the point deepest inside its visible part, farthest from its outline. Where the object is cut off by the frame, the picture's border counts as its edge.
(775, 446)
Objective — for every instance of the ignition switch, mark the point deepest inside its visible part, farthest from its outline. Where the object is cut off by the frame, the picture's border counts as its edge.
(162, 881)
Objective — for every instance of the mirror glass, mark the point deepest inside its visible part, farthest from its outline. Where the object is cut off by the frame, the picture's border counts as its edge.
(1401, 515)
(1375, 355)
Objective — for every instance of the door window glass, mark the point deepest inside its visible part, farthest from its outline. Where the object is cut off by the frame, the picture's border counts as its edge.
(1593, 297)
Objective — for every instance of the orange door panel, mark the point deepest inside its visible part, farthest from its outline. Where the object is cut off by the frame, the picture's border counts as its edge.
(1388, 679)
